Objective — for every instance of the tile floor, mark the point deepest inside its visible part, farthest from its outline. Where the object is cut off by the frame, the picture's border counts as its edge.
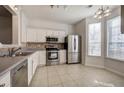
(75, 75)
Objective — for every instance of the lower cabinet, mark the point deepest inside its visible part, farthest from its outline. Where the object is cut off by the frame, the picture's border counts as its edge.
(30, 69)
(5, 80)
(32, 65)
(62, 54)
(37, 58)
(42, 58)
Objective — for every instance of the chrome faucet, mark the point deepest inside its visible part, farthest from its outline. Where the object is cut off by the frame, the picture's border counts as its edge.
(12, 51)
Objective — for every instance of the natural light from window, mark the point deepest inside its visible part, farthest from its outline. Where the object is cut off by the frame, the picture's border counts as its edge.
(94, 39)
(115, 40)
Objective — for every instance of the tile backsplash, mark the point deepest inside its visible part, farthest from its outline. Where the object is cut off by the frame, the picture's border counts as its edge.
(44, 45)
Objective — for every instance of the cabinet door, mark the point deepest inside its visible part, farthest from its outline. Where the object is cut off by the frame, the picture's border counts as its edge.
(49, 33)
(61, 36)
(41, 36)
(54, 33)
(42, 58)
(30, 70)
(34, 63)
(62, 56)
(23, 36)
(31, 35)
(5, 80)
(35, 58)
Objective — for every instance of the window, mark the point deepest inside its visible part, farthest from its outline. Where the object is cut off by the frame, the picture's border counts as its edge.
(94, 39)
(115, 40)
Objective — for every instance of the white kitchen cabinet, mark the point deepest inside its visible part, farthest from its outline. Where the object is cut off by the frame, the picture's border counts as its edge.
(42, 57)
(49, 33)
(5, 80)
(62, 54)
(35, 61)
(61, 36)
(41, 35)
(30, 69)
(31, 35)
(32, 65)
(23, 37)
(55, 34)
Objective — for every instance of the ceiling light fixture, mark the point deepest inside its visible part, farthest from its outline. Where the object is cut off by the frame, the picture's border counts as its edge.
(58, 6)
(102, 12)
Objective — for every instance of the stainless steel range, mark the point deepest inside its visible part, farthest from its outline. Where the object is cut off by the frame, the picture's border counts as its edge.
(52, 56)
(52, 51)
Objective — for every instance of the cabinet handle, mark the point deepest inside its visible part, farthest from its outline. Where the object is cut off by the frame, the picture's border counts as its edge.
(2, 85)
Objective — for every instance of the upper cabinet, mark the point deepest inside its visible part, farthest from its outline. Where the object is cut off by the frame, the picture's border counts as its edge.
(122, 19)
(31, 35)
(39, 35)
(61, 36)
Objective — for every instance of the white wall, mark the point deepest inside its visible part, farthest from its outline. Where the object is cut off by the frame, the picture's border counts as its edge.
(80, 30)
(44, 24)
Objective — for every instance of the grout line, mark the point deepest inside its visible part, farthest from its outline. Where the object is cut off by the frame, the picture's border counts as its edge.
(47, 77)
(59, 77)
(72, 79)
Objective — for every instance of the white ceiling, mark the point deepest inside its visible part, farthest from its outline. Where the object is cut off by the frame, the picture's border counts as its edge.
(71, 15)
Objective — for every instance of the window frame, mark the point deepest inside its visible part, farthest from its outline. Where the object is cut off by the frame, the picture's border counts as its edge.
(88, 40)
(107, 40)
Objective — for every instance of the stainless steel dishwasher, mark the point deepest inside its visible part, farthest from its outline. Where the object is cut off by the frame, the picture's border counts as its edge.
(19, 75)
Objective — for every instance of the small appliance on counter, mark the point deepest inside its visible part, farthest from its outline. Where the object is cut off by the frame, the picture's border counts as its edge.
(73, 48)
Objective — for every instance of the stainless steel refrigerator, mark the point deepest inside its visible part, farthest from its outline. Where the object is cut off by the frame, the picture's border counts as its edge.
(73, 48)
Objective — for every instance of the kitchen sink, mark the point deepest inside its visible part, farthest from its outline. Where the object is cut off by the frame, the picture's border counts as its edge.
(23, 53)
(19, 54)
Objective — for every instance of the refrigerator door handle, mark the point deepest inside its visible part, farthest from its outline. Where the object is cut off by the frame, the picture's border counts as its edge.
(74, 44)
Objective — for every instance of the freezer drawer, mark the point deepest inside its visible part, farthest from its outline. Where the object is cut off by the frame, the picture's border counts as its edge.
(73, 57)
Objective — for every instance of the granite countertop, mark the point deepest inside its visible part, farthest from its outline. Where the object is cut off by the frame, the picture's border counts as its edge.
(8, 63)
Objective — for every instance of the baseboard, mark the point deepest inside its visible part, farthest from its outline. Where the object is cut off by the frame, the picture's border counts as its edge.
(94, 66)
(114, 71)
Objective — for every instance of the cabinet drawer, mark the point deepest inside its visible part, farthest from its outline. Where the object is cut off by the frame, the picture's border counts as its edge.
(5, 80)
(62, 56)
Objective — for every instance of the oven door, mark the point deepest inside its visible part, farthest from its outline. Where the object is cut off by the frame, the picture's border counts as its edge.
(52, 57)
